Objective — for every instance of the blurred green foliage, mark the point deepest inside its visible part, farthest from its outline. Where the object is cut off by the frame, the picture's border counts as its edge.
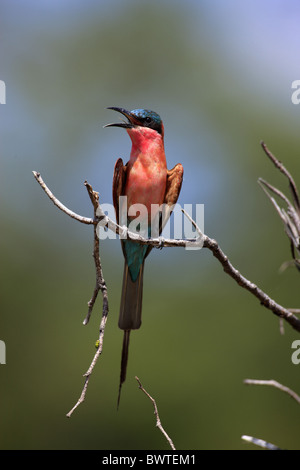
(201, 334)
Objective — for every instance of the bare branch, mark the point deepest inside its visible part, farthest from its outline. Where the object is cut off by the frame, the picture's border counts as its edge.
(294, 310)
(276, 191)
(158, 422)
(283, 388)
(88, 374)
(200, 241)
(57, 203)
(275, 384)
(283, 170)
(265, 300)
(260, 443)
(203, 240)
(291, 216)
(100, 285)
(100, 282)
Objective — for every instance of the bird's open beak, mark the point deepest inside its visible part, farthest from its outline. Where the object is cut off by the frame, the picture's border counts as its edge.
(132, 120)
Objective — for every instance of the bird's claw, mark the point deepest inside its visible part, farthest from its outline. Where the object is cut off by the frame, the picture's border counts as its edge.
(161, 243)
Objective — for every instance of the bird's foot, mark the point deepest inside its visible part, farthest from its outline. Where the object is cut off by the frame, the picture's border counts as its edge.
(161, 243)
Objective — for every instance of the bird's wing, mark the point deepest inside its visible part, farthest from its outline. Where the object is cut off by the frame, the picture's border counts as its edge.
(174, 182)
(119, 180)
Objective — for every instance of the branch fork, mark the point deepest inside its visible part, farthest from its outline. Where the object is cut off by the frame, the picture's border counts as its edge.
(291, 219)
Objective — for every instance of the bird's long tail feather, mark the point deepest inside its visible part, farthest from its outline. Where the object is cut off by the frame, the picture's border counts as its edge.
(130, 315)
(124, 359)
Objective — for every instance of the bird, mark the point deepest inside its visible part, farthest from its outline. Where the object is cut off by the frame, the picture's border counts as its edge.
(144, 180)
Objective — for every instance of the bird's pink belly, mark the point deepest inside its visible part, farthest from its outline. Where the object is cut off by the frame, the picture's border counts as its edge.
(146, 189)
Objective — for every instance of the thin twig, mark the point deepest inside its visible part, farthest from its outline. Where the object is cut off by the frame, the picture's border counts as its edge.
(88, 374)
(57, 203)
(283, 170)
(294, 310)
(275, 384)
(291, 216)
(281, 326)
(276, 191)
(100, 285)
(158, 422)
(100, 282)
(260, 443)
(265, 300)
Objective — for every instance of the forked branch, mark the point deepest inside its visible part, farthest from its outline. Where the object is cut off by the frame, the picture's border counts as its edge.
(200, 241)
(290, 216)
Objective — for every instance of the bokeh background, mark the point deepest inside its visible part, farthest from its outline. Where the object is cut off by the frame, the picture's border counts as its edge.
(220, 75)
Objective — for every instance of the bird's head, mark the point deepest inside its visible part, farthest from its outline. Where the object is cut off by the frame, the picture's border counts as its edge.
(140, 124)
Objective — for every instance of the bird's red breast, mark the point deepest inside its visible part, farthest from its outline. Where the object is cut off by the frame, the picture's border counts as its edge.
(147, 169)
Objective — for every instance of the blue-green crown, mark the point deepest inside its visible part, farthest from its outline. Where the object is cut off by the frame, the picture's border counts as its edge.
(148, 118)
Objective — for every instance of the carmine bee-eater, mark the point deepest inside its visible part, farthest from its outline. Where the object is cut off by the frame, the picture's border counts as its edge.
(145, 180)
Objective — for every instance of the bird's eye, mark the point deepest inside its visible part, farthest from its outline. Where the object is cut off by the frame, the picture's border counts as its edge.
(148, 119)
